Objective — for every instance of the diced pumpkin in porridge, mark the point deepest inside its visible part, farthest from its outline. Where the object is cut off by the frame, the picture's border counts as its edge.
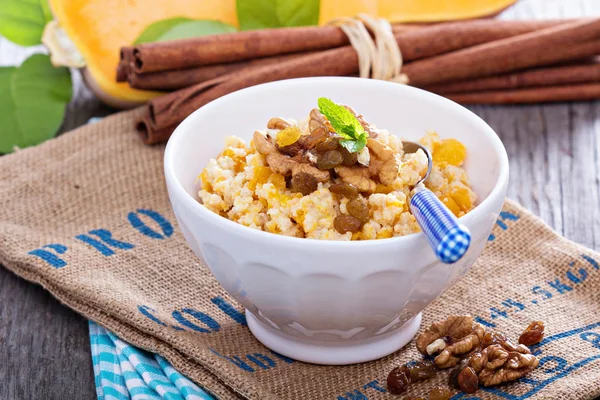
(316, 179)
(450, 151)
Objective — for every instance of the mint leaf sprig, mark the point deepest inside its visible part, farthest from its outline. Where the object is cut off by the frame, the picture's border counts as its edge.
(354, 137)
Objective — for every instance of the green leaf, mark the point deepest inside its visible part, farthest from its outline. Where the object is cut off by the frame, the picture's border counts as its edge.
(32, 99)
(354, 146)
(195, 29)
(342, 120)
(260, 14)
(23, 21)
(157, 29)
(181, 28)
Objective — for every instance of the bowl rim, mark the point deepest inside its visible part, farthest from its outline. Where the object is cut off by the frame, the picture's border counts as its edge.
(180, 133)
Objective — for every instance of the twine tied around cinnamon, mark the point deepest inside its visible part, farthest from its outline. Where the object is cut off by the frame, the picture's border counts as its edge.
(379, 56)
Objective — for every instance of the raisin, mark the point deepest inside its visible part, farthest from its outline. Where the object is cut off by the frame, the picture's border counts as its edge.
(358, 209)
(349, 158)
(422, 370)
(329, 160)
(439, 393)
(344, 189)
(330, 143)
(468, 380)
(304, 183)
(397, 380)
(491, 338)
(346, 223)
(453, 378)
(533, 334)
(317, 136)
(288, 136)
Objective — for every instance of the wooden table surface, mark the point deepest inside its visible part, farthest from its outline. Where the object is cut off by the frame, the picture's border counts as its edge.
(555, 172)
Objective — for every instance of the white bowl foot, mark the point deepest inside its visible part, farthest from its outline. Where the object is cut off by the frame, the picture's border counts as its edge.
(334, 353)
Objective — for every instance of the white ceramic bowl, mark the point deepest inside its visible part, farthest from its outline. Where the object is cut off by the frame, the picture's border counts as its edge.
(330, 302)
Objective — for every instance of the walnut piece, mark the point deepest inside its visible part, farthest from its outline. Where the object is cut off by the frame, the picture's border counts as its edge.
(263, 144)
(384, 164)
(357, 176)
(459, 335)
(495, 364)
(278, 123)
(283, 164)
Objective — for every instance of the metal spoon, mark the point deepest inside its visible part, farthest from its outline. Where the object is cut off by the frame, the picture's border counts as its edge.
(448, 238)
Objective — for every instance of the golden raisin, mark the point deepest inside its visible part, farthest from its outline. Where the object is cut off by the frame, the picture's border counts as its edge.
(288, 136)
(346, 223)
(304, 183)
(397, 380)
(317, 136)
(440, 393)
(331, 143)
(344, 189)
(358, 208)
(349, 158)
(422, 370)
(451, 151)
(468, 380)
(533, 334)
(491, 338)
(329, 160)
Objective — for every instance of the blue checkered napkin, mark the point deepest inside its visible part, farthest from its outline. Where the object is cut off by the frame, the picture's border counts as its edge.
(122, 371)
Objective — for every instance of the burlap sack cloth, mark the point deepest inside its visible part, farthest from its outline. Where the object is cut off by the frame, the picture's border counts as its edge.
(87, 217)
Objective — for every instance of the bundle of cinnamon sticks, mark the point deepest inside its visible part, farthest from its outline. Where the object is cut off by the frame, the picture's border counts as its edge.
(484, 61)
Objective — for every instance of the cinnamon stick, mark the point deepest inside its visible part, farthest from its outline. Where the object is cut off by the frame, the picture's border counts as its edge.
(124, 66)
(233, 47)
(171, 109)
(565, 42)
(549, 94)
(181, 78)
(152, 136)
(549, 76)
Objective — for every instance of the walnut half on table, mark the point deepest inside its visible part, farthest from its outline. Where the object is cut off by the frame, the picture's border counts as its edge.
(451, 340)
(495, 364)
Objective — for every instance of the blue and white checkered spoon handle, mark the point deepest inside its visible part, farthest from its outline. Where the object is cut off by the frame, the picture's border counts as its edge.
(449, 239)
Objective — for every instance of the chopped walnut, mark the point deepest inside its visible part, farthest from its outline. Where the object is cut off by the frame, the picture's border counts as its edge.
(278, 123)
(283, 164)
(495, 364)
(384, 164)
(358, 177)
(263, 144)
(453, 338)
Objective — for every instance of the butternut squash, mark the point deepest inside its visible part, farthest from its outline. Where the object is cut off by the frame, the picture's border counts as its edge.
(98, 28)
